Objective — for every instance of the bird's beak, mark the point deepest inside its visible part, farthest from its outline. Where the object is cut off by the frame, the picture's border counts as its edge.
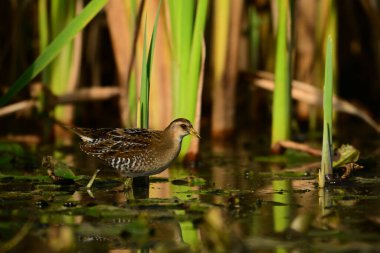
(195, 133)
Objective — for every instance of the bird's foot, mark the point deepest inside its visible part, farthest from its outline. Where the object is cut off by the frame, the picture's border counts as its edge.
(89, 185)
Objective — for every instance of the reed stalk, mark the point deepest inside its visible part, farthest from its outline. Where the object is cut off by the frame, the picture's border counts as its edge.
(61, 12)
(143, 115)
(147, 60)
(146, 69)
(305, 43)
(120, 20)
(254, 37)
(160, 100)
(62, 74)
(43, 30)
(326, 25)
(231, 73)
(221, 20)
(226, 37)
(327, 151)
(186, 40)
(129, 118)
(282, 96)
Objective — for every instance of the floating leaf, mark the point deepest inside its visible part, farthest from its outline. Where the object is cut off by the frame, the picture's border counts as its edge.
(58, 171)
(346, 154)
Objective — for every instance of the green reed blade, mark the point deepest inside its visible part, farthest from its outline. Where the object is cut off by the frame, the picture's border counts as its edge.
(282, 97)
(190, 90)
(153, 42)
(144, 93)
(327, 150)
(182, 24)
(146, 71)
(195, 56)
(59, 71)
(52, 50)
(186, 40)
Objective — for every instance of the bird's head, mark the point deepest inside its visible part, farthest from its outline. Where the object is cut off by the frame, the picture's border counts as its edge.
(181, 127)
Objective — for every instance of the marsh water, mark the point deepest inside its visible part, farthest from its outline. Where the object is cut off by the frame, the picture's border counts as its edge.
(235, 198)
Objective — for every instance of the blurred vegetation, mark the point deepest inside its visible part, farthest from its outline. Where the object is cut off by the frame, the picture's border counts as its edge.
(226, 65)
(98, 73)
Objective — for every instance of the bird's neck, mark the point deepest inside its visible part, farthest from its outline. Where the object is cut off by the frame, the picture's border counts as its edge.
(170, 141)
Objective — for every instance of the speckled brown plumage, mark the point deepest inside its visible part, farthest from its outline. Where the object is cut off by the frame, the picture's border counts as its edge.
(136, 152)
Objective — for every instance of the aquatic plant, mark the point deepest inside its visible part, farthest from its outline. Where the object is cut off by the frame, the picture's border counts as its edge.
(219, 56)
(225, 65)
(62, 74)
(186, 41)
(124, 20)
(327, 150)
(325, 25)
(147, 61)
(282, 96)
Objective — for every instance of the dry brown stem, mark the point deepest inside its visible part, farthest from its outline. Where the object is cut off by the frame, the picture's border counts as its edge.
(312, 95)
(81, 95)
(300, 147)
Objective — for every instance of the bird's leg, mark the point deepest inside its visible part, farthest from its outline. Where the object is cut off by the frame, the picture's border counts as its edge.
(89, 185)
(128, 183)
(128, 188)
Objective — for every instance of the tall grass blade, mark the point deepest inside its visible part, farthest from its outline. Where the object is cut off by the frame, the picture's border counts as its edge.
(195, 56)
(147, 60)
(219, 57)
(282, 97)
(144, 94)
(182, 26)
(131, 84)
(153, 41)
(326, 170)
(186, 41)
(189, 99)
(146, 72)
(58, 73)
(52, 50)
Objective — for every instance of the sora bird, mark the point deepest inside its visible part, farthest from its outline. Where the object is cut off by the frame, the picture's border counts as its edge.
(136, 152)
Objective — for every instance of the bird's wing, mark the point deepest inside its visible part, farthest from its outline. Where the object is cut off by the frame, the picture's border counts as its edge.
(110, 143)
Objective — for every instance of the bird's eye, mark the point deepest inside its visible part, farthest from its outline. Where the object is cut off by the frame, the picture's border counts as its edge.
(184, 127)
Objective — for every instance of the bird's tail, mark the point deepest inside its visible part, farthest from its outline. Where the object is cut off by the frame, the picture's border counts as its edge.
(76, 130)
